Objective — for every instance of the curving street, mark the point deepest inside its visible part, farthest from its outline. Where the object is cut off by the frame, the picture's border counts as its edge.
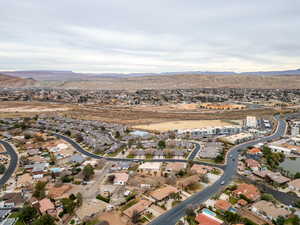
(173, 215)
(12, 163)
(230, 170)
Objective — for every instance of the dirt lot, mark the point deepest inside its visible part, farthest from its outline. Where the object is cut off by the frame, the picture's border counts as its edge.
(113, 218)
(128, 115)
(182, 125)
(15, 109)
(169, 108)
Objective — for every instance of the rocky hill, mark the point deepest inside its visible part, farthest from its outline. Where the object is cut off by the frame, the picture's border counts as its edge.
(15, 82)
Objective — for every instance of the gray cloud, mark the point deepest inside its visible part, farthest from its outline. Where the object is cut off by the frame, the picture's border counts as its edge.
(149, 36)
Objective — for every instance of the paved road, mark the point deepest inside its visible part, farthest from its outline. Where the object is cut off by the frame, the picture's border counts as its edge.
(195, 152)
(12, 164)
(173, 215)
(230, 170)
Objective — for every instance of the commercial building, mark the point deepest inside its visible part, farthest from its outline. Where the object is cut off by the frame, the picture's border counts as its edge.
(251, 122)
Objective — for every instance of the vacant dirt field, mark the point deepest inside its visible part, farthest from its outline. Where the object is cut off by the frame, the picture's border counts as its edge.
(127, 115)
(113, 218)
(168, 108)
(20, 109)
(182, 125)
(32, 107)
(132, 117)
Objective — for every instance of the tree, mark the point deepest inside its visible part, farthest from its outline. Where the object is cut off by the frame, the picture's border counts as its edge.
(68, 205)
(39, 190)
(117, 135)
(189, 211)
(232, 217)
(111, 178)
(78, 137)
(280, 220)
(2, 168)
(68, 132)
(135, 217)
(28, 214)
(268, 197)
(204, 179)
(45, 219)
(78, 199)
(161, 144)
(297, 204)
(52, 158)
(297, 175)
(88, 172)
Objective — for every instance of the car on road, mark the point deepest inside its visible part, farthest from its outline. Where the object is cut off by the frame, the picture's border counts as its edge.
(222, 182)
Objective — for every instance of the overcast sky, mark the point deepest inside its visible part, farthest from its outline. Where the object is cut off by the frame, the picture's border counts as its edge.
(149, 36)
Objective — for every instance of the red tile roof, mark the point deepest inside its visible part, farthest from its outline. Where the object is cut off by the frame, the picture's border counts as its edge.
(248, 190)
(254, 151)
(202, 219)
(222, 205)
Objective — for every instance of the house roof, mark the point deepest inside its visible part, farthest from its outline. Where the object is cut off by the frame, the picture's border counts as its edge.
(252, 163)
(254, 151)
(242, 202)
(200, 168)
(249, 190)
(184, 182)
(203, 219)
(138, 207)
(222, 205)
(277, 177)
(13, 197)
(270, 209)
(177, 166)
(24, 179)
(121, 177)
(295, 183)
(45, 205)
(164, 192)
(76, 158)
(150, 166)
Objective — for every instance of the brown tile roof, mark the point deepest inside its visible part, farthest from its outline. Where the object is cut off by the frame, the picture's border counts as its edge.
(222, 205)
(270, 209)
(177, 166)
(242, 202)
(248, 190)
(200, 169)
(164, 192)
(252, 163)
(138, 207)
(295, 183)
(45, 205)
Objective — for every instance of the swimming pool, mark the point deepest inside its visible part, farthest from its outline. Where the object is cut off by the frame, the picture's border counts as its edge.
(208, 212)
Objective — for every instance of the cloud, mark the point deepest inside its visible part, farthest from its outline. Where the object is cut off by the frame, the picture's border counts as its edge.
(149, 36)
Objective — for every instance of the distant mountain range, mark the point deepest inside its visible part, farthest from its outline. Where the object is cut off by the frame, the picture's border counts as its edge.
(53, 75)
